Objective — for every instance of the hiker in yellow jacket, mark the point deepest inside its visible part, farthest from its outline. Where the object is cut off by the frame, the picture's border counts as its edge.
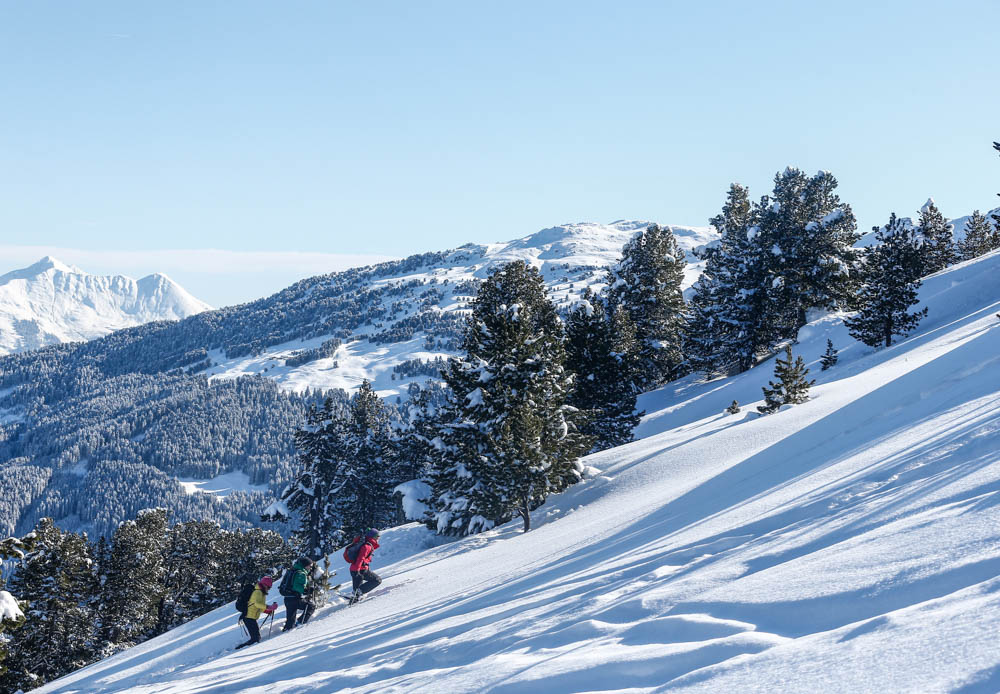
(257, 605)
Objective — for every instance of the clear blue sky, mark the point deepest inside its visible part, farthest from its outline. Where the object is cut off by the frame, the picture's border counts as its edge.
(391, 128)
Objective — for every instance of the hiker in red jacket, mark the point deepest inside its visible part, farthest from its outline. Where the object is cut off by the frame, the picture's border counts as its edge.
(365, 580)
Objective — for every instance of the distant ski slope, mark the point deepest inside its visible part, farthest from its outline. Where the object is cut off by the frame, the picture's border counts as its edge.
(850, 544)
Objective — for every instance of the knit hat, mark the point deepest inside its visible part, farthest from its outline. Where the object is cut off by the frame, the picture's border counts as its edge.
(265, 582)
(372, 533)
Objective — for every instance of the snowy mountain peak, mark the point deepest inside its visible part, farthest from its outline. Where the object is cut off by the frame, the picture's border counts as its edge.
(51, 263)
(50, 302)
(42, 266)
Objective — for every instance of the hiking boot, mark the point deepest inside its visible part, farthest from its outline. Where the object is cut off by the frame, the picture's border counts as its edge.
(357, 597)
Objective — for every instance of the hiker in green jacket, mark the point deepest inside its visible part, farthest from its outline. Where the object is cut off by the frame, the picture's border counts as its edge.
(294, 585)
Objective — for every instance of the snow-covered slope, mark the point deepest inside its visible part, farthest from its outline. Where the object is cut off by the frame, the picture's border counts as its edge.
(850, 544)
(570, 257)
(50, 302)
(959, 223)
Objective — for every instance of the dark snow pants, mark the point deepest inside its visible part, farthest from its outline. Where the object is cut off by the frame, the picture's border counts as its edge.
(367, 580)
(252, 628)
(293, 605)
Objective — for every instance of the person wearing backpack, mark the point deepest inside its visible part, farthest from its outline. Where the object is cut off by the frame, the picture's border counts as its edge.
(294, 585)
(252, 603)
(365, 580)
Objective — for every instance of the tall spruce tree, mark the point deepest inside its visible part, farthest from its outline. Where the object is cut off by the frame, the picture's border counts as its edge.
(602, 351)
(892, 272)
(193, 555)
(996, 217)
(365, 497)
(646, 282)
(935, 235)
(508, 437)
(323, 470)
(11, 609)
(806, 235)
(980, 237)
(730, 323)
(790, 386)
(57, 581)
(132, 582)
(247, 555)
(347, 474)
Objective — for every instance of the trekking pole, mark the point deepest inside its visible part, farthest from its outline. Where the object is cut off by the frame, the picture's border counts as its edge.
(239, 620)
(271, 626)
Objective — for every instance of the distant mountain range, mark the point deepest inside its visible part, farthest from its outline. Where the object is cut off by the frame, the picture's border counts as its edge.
(51, 302)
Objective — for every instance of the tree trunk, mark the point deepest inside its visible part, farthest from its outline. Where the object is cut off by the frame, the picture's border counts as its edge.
(526, 513)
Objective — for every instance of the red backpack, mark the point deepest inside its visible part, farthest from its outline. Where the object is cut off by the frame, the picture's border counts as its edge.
(351, 551)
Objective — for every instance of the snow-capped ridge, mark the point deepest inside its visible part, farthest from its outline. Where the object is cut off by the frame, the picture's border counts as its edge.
(50, 302)
(42, 266)
(571, 258)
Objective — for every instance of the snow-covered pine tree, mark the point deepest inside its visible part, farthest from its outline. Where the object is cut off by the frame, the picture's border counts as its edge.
(132, 584)
(364, 499)
(790, 386)
(807, 235)
(602, 351)
(508, 437)
(647, 283)
(416, 443)
(11, 609)
(57, 581)
(996, 217)
(829, 357)
(731, 321)
(734, 407)
(193, 555)
(246, 556)
(937, 248)
(980, 237)
(892, 272)
(312, 495)
(417, 447)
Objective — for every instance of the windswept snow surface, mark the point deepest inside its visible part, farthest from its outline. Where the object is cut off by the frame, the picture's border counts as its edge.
(849, 544)
(51, 302)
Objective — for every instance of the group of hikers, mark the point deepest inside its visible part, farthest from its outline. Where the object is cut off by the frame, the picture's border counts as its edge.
(297, 586)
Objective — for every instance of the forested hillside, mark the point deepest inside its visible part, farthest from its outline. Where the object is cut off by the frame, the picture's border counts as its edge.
(90, 433)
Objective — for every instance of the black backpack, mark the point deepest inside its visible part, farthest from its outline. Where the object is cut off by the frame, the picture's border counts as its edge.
(285, 587)
(243, 601)
(351, 551)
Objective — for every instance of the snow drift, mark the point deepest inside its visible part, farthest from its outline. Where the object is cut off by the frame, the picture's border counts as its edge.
(848, 544)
